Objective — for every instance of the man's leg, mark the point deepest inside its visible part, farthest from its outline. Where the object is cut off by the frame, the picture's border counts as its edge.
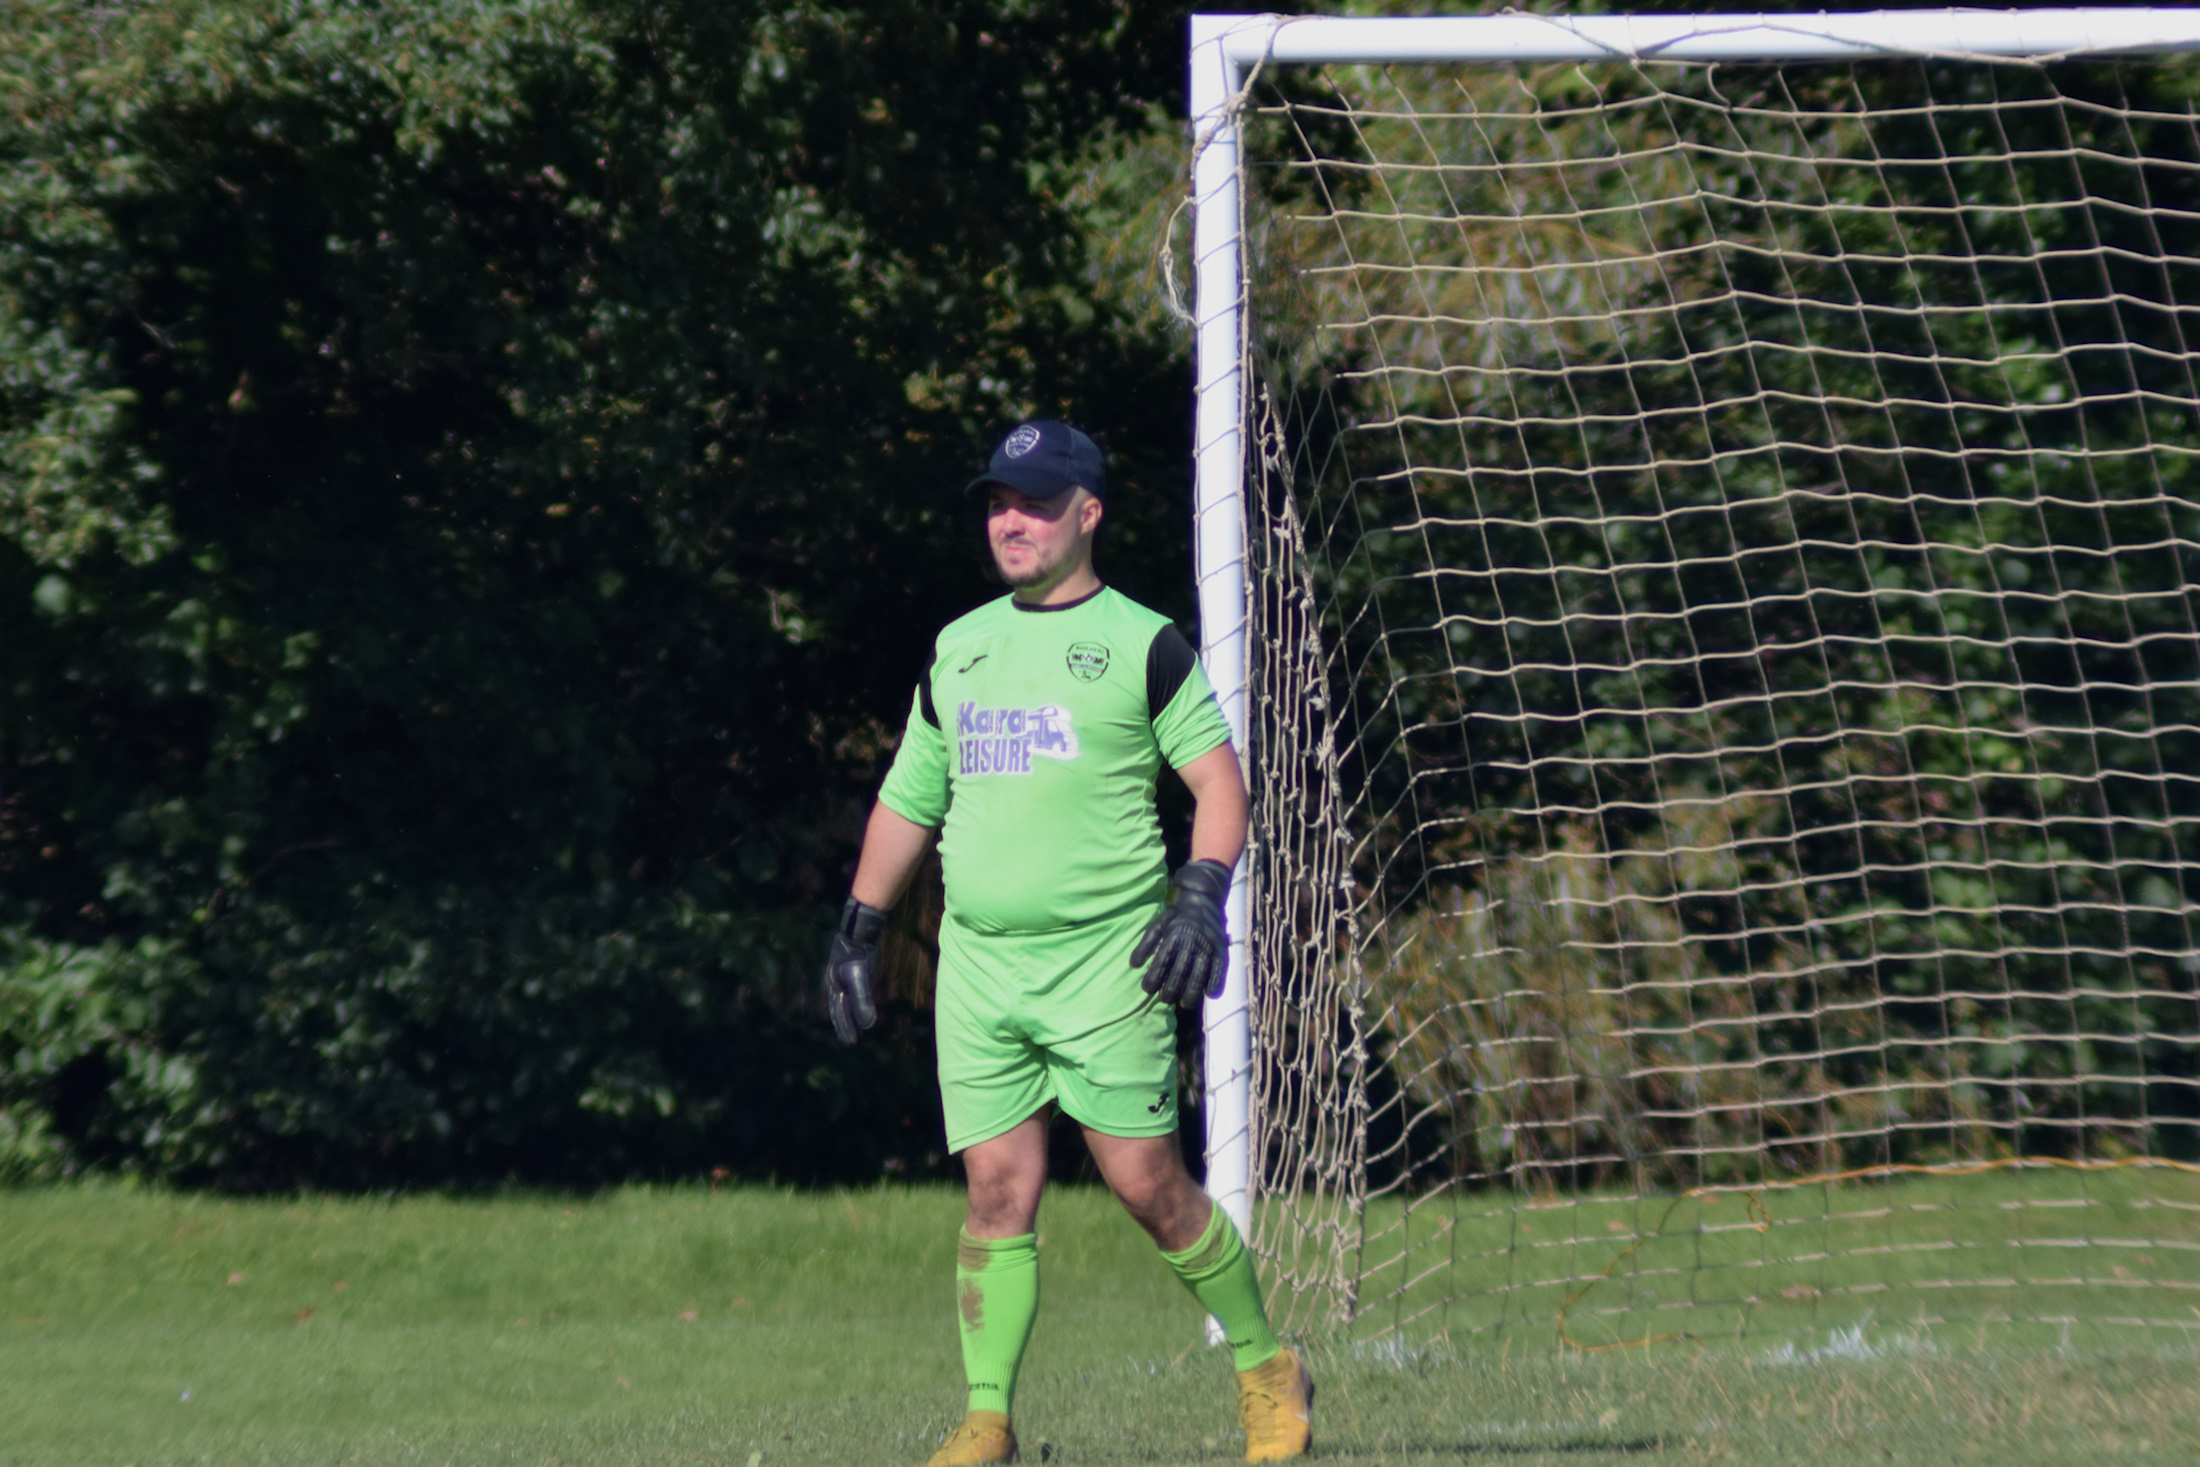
(1111, 1063)
(996, 1285)
(1004, 1177)
(1275, 1394)
(1147, 1175)
(995, 1095)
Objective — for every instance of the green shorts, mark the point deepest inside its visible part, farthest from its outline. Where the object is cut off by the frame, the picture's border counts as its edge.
(1025, 1018)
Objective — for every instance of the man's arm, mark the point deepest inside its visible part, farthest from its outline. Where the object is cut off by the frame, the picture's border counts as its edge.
(893, 847)
(1218, 805)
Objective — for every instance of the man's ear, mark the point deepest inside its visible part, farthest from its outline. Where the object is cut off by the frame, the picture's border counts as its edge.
(1091, 512)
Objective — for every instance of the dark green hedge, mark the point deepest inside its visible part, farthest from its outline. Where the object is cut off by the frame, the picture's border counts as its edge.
(476, 484)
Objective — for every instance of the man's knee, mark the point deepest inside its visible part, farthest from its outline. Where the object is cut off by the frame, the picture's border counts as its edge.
(1148, 1177)
(1004, 1177)
(1145, 1193)
(1002, 1205)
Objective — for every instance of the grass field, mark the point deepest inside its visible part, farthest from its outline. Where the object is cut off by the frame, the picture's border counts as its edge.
(754, 1327)
(2034, 1259)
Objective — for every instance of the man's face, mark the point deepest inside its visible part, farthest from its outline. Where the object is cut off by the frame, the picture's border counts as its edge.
(1038, 541)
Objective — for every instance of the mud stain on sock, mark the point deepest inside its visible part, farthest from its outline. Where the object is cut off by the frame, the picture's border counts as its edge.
(970, 1299)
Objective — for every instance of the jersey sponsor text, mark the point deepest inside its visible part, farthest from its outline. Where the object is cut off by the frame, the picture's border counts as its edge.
(1006, 740)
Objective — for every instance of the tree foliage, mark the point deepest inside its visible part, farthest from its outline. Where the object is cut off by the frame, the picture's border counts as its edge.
(476, 483)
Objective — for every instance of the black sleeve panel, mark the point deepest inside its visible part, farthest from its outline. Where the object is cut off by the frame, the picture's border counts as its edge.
(924, 699)
(1169, 661)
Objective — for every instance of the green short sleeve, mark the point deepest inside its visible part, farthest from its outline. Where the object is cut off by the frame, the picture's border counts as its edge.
(916, 787)
(1192, 724)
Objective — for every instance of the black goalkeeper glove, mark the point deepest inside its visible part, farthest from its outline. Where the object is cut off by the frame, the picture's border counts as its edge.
(848, 969)
(1186, 943)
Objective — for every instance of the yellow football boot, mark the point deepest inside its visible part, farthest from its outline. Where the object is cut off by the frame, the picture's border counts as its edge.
(1276, 1403)
(984, 1436)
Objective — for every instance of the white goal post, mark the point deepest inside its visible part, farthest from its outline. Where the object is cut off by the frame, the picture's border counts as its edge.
(1229, 52)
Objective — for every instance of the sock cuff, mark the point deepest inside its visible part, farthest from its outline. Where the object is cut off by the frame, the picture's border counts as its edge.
(974, 1255)
(1216, 1249)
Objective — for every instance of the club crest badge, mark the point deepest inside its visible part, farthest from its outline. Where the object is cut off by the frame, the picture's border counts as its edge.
(1021, 442)
(1088, 661)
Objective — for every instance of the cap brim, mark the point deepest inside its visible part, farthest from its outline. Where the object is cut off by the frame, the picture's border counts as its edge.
(1037, 483)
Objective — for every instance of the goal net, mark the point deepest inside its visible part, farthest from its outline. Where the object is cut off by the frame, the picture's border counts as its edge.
(1721, 544)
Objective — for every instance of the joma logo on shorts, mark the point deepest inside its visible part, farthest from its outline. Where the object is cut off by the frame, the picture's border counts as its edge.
(1006, 740)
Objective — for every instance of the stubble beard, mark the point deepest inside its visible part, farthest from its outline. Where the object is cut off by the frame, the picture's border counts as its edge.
(1042, 571)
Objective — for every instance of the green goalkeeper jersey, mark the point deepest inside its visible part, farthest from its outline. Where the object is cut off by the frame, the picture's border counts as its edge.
(1033, 746)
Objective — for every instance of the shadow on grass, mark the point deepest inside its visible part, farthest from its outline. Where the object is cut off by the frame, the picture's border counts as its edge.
(1570, 1447)
(1470, 1448)
(1394, 1450)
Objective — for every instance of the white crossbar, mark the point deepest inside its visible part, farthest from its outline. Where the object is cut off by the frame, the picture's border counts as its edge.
(1499, 39)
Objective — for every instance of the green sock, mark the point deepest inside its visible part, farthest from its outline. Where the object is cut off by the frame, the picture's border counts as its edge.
(996, 1298)
(1219, 1272)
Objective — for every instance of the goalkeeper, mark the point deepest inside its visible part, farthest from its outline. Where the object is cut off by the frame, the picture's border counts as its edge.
(1033, 744)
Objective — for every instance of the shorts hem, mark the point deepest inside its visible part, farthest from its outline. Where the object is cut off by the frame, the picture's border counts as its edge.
(956, 1146)
(1142, 1131)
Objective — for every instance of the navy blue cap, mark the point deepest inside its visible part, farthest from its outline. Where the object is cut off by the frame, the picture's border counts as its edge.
(1046, 458)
